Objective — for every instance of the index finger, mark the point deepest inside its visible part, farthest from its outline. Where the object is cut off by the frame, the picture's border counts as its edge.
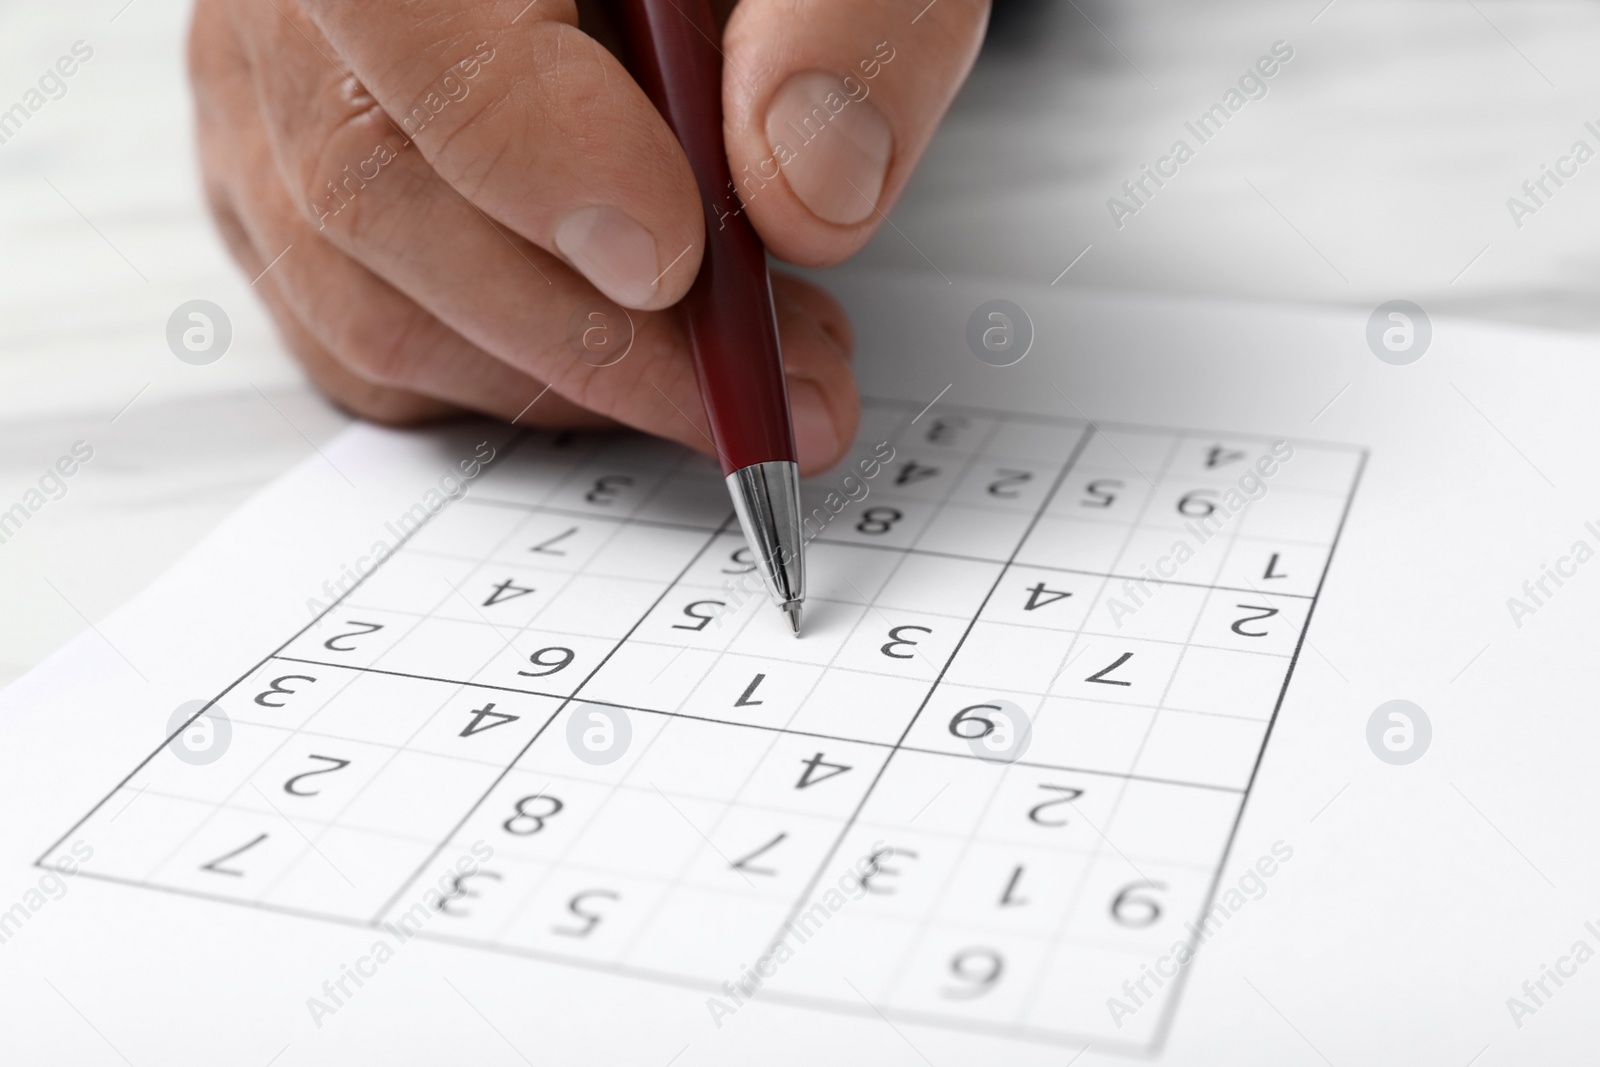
(539, 126)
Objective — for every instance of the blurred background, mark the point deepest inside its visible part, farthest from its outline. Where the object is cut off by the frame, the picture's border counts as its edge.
(1377, 166)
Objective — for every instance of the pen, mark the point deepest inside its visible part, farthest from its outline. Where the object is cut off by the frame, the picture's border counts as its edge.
(671, 48)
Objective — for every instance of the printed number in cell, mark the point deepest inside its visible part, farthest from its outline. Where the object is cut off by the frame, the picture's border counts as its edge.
(525, 823)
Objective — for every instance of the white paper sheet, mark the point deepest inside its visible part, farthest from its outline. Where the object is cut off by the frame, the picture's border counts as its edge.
(681, 779)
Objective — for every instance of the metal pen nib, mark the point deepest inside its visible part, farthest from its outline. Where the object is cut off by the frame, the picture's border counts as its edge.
(766, 497)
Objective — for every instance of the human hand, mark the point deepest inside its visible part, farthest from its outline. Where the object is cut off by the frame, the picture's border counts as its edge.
(440, 192)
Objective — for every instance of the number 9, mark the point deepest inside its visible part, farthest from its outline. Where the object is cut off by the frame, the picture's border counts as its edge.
(979, 968)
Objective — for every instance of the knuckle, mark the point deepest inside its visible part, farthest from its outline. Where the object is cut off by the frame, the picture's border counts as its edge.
(383, 347)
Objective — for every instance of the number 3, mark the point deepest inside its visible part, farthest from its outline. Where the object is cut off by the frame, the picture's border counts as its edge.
(896, 639)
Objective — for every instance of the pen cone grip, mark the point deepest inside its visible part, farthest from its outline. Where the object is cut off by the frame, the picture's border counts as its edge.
(672, 49)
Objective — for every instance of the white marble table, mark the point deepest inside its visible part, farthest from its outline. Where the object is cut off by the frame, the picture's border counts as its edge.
(1377, 166)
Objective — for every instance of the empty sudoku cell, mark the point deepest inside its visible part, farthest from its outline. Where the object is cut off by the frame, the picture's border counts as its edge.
(1315, 467)
(650, 553)
(836, 948)
(880, 422)
(766, 854)
(638, 675)
(311, 779)
(1007, 888)
(937, 586)
(1205, 749)
(1251, 623)
(1069, 544)
(352, 637)
(748, 689)
(1274, 567)
(346, 872)
(1089, 991)
(1006, 484)
(449, 649)
(926, 793)
(1176, 824)
(529, 470)
(1018, 659)
(702, 760)
(543, 662)
(379, 708)
(1228, 683)
(644, 832)
(964, 974)
(1088, 734)
(233, 853)
(133, 832)
(860, 706)
(1136, 905)
(1044, 442)
(848, 573)
(1100, 495)
(813, 776)
(173, 771)
(889, 524)
(418, 795)
(409, 582)
(1140, 455)
(1159, 611)
(918, 475)
(532, 815)
(1154, 554)
(582, 913)
(709, 935)
(949, 434)
(567, 748)
(284, 694)
(467, 529)
(691, 497)
(555, 542)
(1118, 669)
(984, 533)
(902, 643)
(486, 725)
(600, 607)
(1294, 515)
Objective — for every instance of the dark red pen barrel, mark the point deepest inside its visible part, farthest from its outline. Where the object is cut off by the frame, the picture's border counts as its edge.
(671, 47)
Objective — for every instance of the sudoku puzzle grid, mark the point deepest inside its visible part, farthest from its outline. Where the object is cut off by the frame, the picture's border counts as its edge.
(999, 876)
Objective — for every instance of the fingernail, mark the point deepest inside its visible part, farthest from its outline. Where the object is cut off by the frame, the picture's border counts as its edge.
(833, 150)
(815, 438)
(612, 251)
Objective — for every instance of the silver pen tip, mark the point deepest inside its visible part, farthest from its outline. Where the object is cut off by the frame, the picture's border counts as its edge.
(792, 609)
